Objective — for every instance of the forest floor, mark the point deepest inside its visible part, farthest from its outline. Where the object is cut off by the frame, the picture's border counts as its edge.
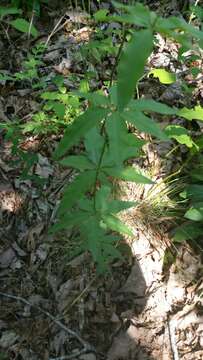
(52, 303)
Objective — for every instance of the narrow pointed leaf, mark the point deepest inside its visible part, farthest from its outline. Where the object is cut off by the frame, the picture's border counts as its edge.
(79, 128)
(150, 105)
(76, 190)
(70, 220)
(117, 206)
(145, 124)
(113, 223)
(79, 162)
(117, 132)
(93, 144)
(131, 65)
(128, 174)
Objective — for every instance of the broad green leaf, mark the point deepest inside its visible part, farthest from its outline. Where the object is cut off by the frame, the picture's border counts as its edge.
(131, 65)
(59, 109)
(192, 114)
(101, 15)
(193, 192)
(144, 123)
(197, 173)
(54, 95)
(137, 14)
(76, 190)
(150, 105)
(195, 213)
(167, 26)
(79, 162)
(165, 77)
(128, 174)
(113, 223)
(180, 134)
(187, 231)
(79, 128)
(24, 26)
(4, 11)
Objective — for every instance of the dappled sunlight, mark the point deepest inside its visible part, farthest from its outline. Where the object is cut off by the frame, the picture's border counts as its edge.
(10, 199)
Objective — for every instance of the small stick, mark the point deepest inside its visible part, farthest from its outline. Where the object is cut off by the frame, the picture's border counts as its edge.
(56, 28)
(86, 347)
(30, 26)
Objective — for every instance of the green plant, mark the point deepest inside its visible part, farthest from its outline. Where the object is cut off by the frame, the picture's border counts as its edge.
(29, 72)
(29, 5)
(88, 202)
(18, 23)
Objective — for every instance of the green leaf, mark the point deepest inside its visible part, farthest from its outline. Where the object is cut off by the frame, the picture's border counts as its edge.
(188, 231)
(122, 145)
(101, 15)
(164, 76)
(192, 114)
(4, 11)
(4, 77)
(102, 199)
(117, 132)
(193, 192)
(70, 220)
(93, 144)
(180, 134)
(144, 123)
(59, 109)
(128, 174)
(113, 223)
(79, 162)
(95, 98)
(79, 128)
(131, 65)
(138, 14)
(104, 204)
(116, 206)
(195, 213)
(150, 105)
(76, 190)
(24, 26)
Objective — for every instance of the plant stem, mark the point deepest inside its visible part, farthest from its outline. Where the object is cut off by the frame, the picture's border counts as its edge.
(118, 56)
(103, 125)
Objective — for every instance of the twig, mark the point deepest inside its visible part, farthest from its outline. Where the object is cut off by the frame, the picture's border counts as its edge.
(86, 347)
(30, 26)
(172, 338)
(56, 29)
(192, 14)
(118, 56)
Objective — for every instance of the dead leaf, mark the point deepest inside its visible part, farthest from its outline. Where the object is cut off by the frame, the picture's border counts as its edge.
(8, 338)
(6, 258)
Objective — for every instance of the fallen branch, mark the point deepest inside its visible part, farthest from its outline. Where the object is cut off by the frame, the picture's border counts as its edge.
(87, 348)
